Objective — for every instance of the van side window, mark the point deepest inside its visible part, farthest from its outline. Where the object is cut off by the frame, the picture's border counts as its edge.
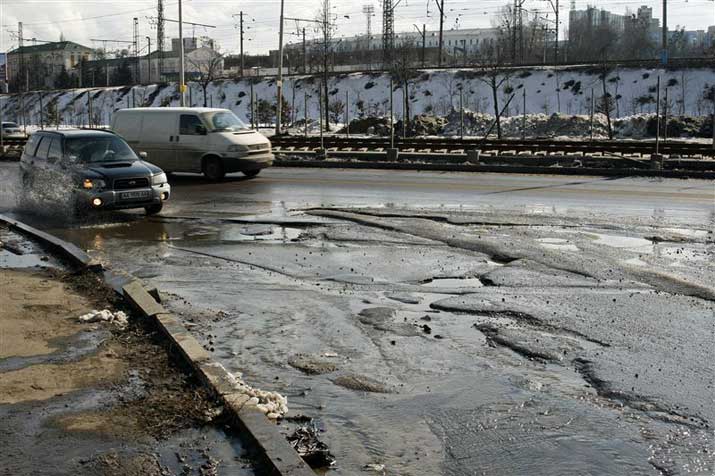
(55, 149)
(32, 143)
(44, 148)
(189, 125)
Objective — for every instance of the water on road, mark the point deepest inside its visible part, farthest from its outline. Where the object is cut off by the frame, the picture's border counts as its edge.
(452, 324)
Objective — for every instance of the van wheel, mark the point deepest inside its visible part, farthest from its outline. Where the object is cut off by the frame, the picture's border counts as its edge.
(153, 209)
(213, 169)
(252, 173)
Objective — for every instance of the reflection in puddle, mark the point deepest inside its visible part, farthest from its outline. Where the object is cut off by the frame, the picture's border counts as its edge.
(96, 237)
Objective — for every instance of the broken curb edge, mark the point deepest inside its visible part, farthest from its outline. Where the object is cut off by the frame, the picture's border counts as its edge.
(281, 458)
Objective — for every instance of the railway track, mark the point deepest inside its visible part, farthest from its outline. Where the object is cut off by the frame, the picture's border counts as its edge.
(454, 146)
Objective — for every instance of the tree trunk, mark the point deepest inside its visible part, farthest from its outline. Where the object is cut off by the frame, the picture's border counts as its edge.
(607, 106)
(495, 93)
(205, 88)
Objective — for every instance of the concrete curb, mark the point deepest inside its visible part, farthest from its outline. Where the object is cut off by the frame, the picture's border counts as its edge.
(280, 457)
(71, 252)
(501, 169)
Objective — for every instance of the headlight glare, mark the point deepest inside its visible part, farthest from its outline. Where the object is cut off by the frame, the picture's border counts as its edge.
(158, 179)
(94, 184)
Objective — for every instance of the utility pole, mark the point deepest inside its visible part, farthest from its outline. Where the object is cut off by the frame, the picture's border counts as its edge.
(182, 86)
(388, 32)
(305, 54)
(555, 7)
(423, 35)
(160, 36)
(23, 77)
(327, 33)
(424, 45)
(664, 54)
(556, 40)
(243, 64)
(136, 51)
(440, 6)
(148, 59)
(279, 83)
(369, 11)
(513, 30)
(657, 119)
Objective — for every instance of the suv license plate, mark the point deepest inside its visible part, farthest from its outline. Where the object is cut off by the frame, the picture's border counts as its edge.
(134, 195)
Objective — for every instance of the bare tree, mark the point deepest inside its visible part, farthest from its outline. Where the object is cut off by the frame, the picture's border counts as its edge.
(606, 104)
(495, 77)
(208, 65)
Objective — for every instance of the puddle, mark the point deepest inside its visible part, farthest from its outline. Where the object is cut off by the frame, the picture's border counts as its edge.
(559, 244)
(635, 262)
(97, 237)
(18, 252)
(454, 283)
(259, 233)
(640, 245)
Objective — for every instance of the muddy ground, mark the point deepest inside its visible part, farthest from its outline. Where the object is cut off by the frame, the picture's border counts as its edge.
(93, 398)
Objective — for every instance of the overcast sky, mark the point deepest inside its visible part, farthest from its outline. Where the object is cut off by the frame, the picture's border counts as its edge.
(82, 20)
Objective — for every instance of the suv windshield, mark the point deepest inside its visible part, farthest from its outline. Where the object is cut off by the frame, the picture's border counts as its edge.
(9, 125)
(98, 149)
(225, 121)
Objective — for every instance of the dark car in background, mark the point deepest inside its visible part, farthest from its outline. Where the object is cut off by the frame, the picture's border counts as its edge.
(90, 169)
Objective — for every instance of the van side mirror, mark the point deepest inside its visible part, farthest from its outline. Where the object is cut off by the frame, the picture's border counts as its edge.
(143, 155)
(201, 130)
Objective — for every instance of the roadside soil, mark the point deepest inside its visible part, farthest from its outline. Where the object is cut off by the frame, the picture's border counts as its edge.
(79, 398)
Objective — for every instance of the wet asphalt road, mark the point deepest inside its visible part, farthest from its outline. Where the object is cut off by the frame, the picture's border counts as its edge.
(443, 323)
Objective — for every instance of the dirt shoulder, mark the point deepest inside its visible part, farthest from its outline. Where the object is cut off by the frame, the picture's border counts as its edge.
(94, 398)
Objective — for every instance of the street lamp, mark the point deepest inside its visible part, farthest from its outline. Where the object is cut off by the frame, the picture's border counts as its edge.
(279, 83)
(148, 59)
(182, 84)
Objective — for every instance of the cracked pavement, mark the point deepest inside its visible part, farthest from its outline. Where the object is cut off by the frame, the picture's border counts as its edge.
(451, 324)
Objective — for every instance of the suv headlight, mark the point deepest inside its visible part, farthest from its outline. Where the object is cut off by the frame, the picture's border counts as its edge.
(158, 179)
(94, 184)
(237, 148)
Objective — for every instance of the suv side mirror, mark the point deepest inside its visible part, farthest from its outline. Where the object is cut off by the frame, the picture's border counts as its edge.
(143, 155)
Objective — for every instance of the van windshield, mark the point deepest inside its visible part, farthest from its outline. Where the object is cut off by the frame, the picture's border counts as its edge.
(224, 122)
(91, 150)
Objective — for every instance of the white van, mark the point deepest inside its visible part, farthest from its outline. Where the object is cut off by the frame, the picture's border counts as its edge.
(213, 142)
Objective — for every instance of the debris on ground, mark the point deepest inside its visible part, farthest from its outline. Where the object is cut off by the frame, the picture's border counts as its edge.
(378, 468)
(118, 318)
(272, 404)
(313, 451)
